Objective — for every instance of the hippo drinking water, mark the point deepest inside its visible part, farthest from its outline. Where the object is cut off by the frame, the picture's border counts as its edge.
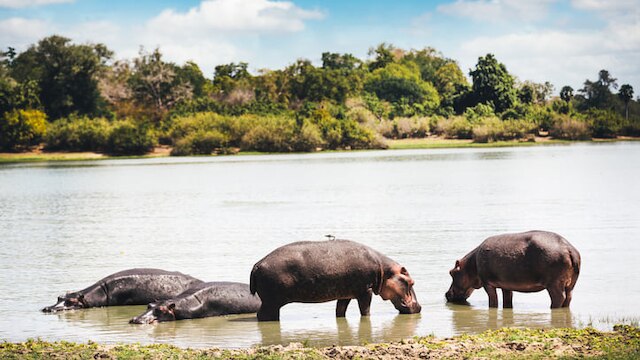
(128, 287)
(319, 271)
(524, 262)
(202, 300)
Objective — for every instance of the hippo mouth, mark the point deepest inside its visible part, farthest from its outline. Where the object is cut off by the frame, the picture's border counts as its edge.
(60, 306)
(404, 307)
(142, 320)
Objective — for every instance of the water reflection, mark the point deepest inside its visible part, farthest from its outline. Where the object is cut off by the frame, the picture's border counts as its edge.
(467, 319)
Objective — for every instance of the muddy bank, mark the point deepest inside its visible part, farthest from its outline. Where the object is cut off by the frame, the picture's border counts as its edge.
(623, 342)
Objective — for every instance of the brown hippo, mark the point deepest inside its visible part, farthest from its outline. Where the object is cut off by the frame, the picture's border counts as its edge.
(319, 271)
(525, 262)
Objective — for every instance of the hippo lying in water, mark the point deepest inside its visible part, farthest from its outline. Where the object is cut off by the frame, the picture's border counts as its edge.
(128, 287)
(319, 271)
(202, 300)
(524, 262)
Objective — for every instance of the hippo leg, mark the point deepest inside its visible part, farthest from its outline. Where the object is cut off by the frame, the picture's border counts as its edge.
(493, 296)
(341, 307)
(364, 303)
(567, 300)
(556, 292)
(269, 312)
(507, 299)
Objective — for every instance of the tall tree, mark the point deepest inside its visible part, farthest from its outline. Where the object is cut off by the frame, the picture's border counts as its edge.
(626, 94)
(66, 74)
(566, 93)
(598, 93)
(492, 84)
(383, 56)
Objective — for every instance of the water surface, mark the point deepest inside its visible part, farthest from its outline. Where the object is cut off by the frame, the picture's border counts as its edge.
(65, 225)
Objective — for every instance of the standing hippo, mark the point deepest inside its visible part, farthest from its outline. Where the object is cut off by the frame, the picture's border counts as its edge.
(319, 271)
(202, 300)
(525, 262)
(128, 287)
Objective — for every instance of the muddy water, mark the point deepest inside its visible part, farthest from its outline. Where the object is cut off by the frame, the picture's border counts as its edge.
(65, 225)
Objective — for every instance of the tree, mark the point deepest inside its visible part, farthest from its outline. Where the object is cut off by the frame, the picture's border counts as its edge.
(66, 74)
(492, 84)
(155, 83)
(626, 94)
(337, 61)
(21, 129)
(566, 93)
(383, 56)
(597, 93)
(534, 93)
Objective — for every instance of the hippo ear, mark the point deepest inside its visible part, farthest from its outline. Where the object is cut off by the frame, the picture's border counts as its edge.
(457, 264)
(404, 271)
(171, 306)
(81, 297)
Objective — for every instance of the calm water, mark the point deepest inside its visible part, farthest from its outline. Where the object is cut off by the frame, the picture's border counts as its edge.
(63, 226)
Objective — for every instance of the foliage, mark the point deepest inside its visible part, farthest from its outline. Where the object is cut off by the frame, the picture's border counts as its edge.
(66, 75)
(78, 133)
(22, 129)
(569, 128)
(604, 123)
(492, 84)
(597, 94)
(127, 138)
(456, 127)
(566, 93)
(491, 129)
(200, 143)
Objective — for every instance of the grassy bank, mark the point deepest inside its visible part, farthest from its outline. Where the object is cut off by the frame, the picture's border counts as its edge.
(401, 144)
(621, 343)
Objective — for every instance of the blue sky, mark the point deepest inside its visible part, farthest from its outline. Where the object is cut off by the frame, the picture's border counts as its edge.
(561, 41)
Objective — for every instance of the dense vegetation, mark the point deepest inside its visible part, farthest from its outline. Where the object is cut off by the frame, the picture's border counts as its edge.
(70, 97)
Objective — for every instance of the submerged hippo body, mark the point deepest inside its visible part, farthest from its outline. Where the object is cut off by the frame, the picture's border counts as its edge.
(524, 262)
(128, 287)
(202, 300)
(319, 271)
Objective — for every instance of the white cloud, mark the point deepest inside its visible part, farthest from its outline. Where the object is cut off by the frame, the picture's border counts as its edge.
(235, 16)
(15, 4)
(19, 32)
(497, 10)
(561, 57)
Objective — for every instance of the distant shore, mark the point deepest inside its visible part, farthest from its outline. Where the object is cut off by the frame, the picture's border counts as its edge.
(39, 155)
(621, 343)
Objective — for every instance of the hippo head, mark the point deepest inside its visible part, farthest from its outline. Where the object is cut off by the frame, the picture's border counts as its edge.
(463, 284)
(156, 312)
(70, 301)
(397, 286)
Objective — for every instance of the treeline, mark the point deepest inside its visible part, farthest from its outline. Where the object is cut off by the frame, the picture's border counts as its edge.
(71, 97)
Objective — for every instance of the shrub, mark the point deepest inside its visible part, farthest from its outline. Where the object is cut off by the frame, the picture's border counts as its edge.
(604, 123)
(479, 111)
(270, 134)
(78, 134)
(308, 138)
(457, 127)
(126, 138)
(489, 130)
(200, 143)
(22, 129)
(566, 127)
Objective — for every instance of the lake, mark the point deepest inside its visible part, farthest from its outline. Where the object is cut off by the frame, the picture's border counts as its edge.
(65, 225)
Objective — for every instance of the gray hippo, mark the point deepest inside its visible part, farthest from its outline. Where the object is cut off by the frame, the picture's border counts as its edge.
(128, 287)
(524, 262)
(319, 271)
(202, 300)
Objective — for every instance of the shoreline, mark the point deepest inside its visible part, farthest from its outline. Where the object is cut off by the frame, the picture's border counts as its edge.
(38, 155)
(622, 342)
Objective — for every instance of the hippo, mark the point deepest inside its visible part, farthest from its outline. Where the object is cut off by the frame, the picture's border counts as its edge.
(128, 287)
(320, 271)
(525, 262)
(202, 300)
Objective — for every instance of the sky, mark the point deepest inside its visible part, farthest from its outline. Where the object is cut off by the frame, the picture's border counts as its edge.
(564, 42)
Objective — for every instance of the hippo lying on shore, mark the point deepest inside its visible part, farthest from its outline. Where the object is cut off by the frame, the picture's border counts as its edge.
(319, 271)
(202, 300)
(128, 287)
(524, 262)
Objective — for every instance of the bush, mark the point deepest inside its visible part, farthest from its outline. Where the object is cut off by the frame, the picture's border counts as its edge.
(200, 143)
(566, 127)
(126, 138)
(270, 134)
(457, 127)
(604, 123)
(308, 138)
(78, 134)
(21, 129)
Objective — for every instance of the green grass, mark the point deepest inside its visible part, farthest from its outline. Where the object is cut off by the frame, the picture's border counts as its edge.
(621, 343)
